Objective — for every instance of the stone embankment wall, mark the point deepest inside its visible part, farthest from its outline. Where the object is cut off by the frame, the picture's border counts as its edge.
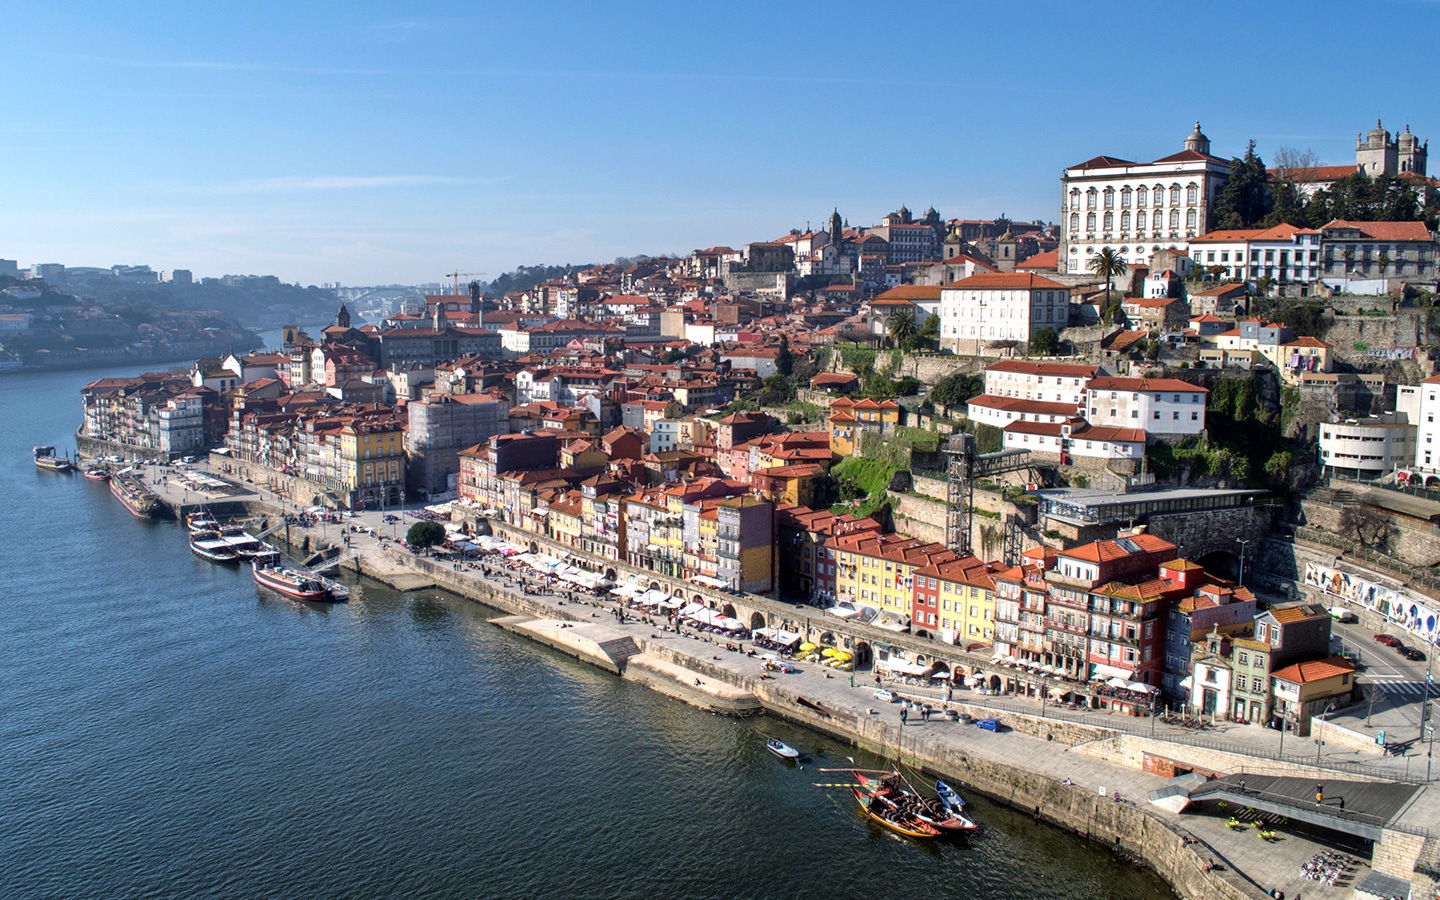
(1410, 542)
(92, 448)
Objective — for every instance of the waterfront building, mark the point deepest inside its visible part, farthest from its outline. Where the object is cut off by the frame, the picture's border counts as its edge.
(1283, 635)
(1284, 253)
(483, 465)
(602, 514)
(370, 465)
(955, 601)
(1137, 209)
(1213, 606)
(1304, 690)
(153, 411)
(440, 426)
(878, 571)
(807, 564)
(745, 544)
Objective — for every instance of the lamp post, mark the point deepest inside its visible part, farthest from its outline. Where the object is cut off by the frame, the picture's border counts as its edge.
(1243, 542)
(1320, 741)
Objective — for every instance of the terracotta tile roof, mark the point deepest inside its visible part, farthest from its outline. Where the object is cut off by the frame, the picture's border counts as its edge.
(1315, 670)
(1150, 385)
(1002, 281)
(1384, 231)
(1103, 162)
(1026, 367)
(1049, 260)
(1104, 551)
(1017, 405)
(1307, 341)
(910, 292)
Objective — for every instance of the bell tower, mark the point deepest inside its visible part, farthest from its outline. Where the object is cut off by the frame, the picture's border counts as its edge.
(342, 317)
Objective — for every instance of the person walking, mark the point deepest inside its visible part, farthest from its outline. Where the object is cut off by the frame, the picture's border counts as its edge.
(904, 716)
(1319, 794)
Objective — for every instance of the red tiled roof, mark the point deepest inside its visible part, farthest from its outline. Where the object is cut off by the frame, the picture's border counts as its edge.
(1027, 367)
(1017, 405)
(1000, 281)
(1384, 231)
(1315, 670)
(1172, 385)
(1049, 260)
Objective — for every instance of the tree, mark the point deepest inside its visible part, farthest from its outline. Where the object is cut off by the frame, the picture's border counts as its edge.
(1045, 342)
(425, 534)
(1109, 265)
(957, 388)
(784, 359)
(901, 326)
(1244, 201)
(1367, 525)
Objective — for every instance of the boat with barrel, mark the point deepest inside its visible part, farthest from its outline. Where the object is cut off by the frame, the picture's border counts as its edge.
(908, 806)
(885, 810)
(132, 493)
(293, 583)
(47, 460)
(210, 545)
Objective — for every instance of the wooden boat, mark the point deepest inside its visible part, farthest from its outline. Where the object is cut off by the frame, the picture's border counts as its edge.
(97, 473)
(46, 459)
(886, 812)
(932, 811)
(290, 582)
(952, 801)
(210, 545)
(782, 749)
(200, 520)
(134, 496)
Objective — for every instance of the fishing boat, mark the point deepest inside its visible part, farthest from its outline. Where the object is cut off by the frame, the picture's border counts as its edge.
(210, 545)
(782, 749)
(134, 495)
(290, 582)
(46, 459)
(97, 473)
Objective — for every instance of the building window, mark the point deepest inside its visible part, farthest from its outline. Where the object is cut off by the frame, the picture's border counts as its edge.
(1125, 220)
(1174, 219)
(1159, 195)
(1090, 221)
(1090, 199)
(1192, 194)
(1190, 217)
(1109, 221)
(1074, 224)
(1174, 195)
(1140, 220)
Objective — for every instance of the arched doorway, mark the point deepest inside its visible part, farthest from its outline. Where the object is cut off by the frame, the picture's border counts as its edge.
(728, 610)
(534, 547)
(610, 574)
(757, 621)
(864, 656)
(922, 633)
(995, 683)
(654, 585)
(827, 639)
(698, 599)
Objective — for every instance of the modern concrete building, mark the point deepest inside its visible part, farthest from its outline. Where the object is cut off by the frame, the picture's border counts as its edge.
(1368, 448)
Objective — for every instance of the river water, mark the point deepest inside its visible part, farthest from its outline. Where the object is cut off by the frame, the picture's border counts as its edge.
(167, 731)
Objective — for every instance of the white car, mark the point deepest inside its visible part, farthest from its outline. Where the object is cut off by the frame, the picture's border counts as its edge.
(885, 696)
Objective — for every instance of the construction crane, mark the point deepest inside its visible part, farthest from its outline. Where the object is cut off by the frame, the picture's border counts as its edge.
(459, 275)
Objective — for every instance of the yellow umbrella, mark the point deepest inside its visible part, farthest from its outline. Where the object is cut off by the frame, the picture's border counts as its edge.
(806, 647)
(829, 651)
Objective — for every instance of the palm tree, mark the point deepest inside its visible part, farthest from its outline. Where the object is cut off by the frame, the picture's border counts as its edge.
(901, 326)
(1109, 265)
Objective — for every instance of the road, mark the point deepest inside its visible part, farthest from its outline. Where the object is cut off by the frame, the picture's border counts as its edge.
(1401, 682)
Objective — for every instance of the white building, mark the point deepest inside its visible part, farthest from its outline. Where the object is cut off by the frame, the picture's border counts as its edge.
(1028, 380)
(1074, 438)
(1165, 406)
(1137, 209)
(999, 306)
(1368, 447)
(1285, 254)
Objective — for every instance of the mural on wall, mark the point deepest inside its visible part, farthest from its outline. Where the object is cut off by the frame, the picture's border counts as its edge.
(1417, 618)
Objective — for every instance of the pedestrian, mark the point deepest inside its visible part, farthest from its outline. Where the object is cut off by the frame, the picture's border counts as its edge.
(1341, 803)
(1319, 794)
(877, 679)
(1242, 785)
(904, 715)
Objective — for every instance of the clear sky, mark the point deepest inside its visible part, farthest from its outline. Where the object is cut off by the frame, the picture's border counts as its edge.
(369, 142)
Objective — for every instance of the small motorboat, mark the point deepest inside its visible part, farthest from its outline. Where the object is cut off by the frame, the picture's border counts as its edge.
(782, 749)
(97, 473)
(952, 801)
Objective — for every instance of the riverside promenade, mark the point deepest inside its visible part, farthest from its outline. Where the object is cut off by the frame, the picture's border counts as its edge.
(1039, 765)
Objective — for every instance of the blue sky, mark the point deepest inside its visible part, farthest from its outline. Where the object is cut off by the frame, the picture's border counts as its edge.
(398, 143)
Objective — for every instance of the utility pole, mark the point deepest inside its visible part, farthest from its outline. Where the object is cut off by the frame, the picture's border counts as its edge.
(1243, 542)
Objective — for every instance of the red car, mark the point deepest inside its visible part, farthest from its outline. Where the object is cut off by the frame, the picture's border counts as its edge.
(1388, 640)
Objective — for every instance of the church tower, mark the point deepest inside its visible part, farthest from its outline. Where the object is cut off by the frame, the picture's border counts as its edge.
(1375, 154)
(837, 227)
(439, 319)
(1411, 153)
(1197, 141)
(342, 317)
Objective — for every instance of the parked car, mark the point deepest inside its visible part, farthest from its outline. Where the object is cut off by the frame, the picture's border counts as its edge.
(1388, 640)
(885, 696)
(391, 517)
(989, 724)
(1341, 614)
(1412, 654)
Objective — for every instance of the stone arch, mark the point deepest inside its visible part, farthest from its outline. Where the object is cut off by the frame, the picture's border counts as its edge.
(1432, 481)
(534, 547)
(728, 610)
(1221, 562)
(995, 684)
(827, 639)
(610, 574)
(757, 621)
(864, 656)
(655, 586)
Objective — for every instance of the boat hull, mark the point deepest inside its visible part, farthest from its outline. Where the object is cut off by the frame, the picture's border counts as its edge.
(291, 584)
(135, 497)
(54, 465)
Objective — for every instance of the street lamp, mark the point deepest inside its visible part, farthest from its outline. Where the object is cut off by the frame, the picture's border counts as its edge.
(1243, 542)
(1320, 741)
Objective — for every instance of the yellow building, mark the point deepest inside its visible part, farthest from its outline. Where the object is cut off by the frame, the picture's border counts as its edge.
(565, 522)
(962, 595)
(370, 465)
(878, 571)
(849, 419)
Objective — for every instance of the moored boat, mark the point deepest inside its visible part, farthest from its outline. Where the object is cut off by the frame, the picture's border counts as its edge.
(200, 520)
(934, 812)
(97, 473)
(46, 459)
(887, 812)
(782, 749)
(210, 545)
(134, 495)
(290, 582)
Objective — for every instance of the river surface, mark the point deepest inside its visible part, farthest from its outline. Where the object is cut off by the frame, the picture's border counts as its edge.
(168, 731)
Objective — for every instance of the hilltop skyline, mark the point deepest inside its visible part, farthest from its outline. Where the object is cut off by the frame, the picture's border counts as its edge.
(277, 139)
